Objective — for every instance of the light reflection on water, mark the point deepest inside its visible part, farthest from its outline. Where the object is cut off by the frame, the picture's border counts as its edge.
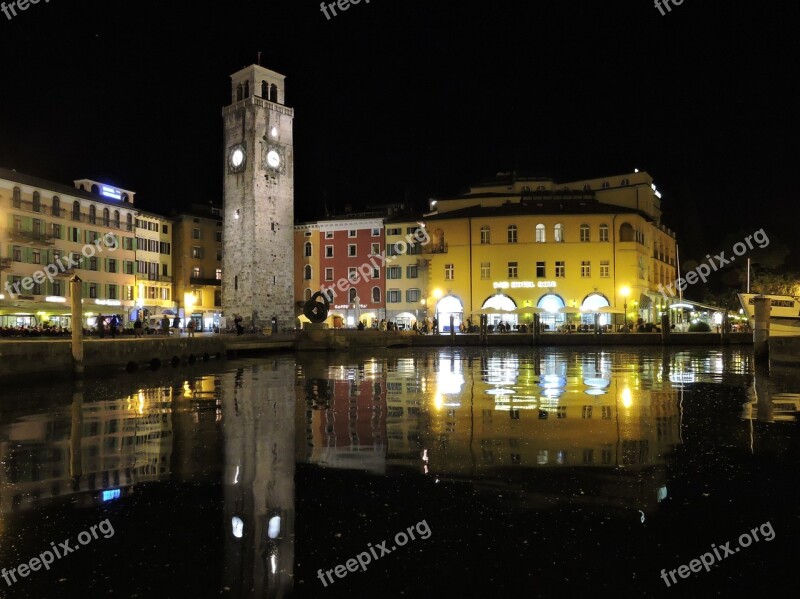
(485, 418)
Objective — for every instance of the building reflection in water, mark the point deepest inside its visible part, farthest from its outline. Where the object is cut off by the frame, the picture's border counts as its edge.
(258, 412)
(93, 451)
(526, 419)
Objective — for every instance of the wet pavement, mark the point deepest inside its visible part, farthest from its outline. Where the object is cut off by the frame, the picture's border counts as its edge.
(406, 474)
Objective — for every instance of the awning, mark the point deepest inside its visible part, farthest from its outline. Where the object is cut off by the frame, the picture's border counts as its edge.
(645, 302)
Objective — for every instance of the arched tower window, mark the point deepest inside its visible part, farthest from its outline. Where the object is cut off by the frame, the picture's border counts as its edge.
(92, 215)
(307, 249)
(76, 210)
(264, 90)
(239, 93)
(626, 232)
(273, 93)
(56, 206)
(116, 218)
(37, 201)
(106, 217)
(307, 272)
(17, 197)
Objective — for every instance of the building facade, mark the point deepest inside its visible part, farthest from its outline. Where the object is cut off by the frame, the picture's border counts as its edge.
(197, 265)
(52, 232)
(567, 249)
(259, 200)
(406, 271)
(153, 292)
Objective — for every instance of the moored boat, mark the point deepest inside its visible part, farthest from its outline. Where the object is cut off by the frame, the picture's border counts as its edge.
(784, 319)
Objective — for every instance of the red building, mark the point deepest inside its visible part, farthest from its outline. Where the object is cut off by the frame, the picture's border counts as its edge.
(351, 269)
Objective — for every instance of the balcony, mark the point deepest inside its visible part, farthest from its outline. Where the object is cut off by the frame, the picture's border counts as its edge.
(202, 281)
(30, 237)
(5, 263)
(439, 248)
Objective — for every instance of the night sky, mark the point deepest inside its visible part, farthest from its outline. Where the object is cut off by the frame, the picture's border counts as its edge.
(409, 100)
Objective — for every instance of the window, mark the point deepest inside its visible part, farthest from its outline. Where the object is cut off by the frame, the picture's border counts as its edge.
(329, 274)
(93, 263)
(219, 255)
(558, 233)
(352, 233)
(606, 185)
(604, 269)
(195, 233)
(76, 211)
(112, 292)
(329, 251)
(106, 217)
(218, 274)
(197, 252)
(603, 232)
(307, 272)
(328, 234)
(584, 232)
(394, 272)
(17, 252)
(541, 235)
(218, 236)
(112, 265)
(352, 274)
(37, 257)
(625, 182)
(93, 214)
(116, 219)
(395, 231)
(486, 271)
(412, 271)
(375, 249)
(376, 232)
(17, 198)
(541, 270)
(93, 290)
(413, 296)
(164, 270)
(75, 235)
(307, 293)
(56, 287)
(376, 273)
(56, 206)
(561, 269)
(376, 295)
(512, 234)
(37, 201)
(512, 270)
(307, 249)
(449, 272)
(351, 250)
(394, 296)
(352, 294)
(626, 232)
(586, 269)
(196, 272)
(165, 229)
(486, 235)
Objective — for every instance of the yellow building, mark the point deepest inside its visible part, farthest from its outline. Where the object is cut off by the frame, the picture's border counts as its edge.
(306, 265)
(520, 242)
(197, 265)
(153, 292)
(52, 231)
(406, 272)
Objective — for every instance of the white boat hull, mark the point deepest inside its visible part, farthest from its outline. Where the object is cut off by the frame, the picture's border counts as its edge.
(784, 319)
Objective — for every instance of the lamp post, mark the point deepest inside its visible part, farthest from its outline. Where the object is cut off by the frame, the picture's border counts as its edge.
(625, 291)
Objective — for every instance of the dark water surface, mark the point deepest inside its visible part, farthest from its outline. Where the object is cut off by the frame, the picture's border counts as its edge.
(532, 472)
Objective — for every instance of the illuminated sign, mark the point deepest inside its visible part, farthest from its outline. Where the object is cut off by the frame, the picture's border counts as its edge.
(347, 306)
(111, 494)
(111, 192)
(102, 302)
(524, 284)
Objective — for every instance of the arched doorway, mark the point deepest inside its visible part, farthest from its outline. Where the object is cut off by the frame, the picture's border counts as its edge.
(447, 306)
(500, 301)
(406, 320)
(551, 317)
(591, 303)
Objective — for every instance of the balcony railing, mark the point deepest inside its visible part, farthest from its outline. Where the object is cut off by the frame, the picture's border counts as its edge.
(81, 217)
(202, 281)
(438, 248)
(32, 237)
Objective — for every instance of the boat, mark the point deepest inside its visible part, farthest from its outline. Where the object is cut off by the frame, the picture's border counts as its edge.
(784, 318)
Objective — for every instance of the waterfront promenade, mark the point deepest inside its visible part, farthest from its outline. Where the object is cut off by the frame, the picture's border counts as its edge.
(52, 357)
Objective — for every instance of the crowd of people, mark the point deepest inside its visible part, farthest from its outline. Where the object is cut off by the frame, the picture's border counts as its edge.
(44, 330)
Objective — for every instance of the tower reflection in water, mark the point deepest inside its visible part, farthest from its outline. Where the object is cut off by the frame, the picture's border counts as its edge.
(259, 437)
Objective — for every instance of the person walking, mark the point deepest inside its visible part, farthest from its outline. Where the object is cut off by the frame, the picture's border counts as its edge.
(114, 326)
(137, 328)
(176, 324)
(165, 325)
(190, 327)
(101, 326)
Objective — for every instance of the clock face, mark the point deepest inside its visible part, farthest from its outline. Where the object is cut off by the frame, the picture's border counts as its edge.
(237, 158)
(273, 159)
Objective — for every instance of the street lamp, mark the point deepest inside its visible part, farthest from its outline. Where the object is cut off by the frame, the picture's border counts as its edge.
(625, 291)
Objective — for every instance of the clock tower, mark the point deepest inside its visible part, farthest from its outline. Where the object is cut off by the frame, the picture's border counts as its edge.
(258, 193)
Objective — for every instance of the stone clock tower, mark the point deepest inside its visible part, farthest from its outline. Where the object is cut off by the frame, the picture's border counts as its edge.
(258, 259)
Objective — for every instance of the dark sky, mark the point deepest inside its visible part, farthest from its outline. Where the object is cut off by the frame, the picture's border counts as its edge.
(420, 98)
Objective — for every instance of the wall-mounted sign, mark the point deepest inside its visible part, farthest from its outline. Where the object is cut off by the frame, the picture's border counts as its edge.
(111, 192)
(348, 306)
(523, 284)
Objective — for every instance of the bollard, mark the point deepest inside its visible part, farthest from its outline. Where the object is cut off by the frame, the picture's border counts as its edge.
(452, 329)
(763, 308)
(537, 329)
(665, 329)
(76, 292)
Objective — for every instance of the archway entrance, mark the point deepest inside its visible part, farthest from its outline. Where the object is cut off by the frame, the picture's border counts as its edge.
(500, 302)
(447, 306)
(551, 318)
(591, 303)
